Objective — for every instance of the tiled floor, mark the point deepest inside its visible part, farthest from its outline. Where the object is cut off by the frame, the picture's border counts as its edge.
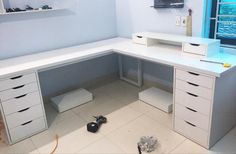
(128, 120)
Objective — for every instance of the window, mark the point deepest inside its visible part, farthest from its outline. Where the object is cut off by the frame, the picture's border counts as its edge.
(223, 21)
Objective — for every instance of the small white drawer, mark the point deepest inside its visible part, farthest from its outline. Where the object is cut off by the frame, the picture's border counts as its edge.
(18, 91)
(198, 49)
(21, 102)
(139, 39)
(194, 89)
(23, 116)
(193, 116)
(28, 129)
(15, 81)
(196, 78)
(192, 132)
(193, 101)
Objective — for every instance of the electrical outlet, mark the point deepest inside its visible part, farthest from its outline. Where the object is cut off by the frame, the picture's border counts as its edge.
(178, 21)
(183, 21)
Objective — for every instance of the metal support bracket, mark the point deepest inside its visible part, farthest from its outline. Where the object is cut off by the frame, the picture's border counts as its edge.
(139, 83)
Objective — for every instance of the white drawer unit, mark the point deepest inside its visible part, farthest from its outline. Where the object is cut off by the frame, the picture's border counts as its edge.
(194, 88)
(191, 131)
(193, 101)
(139, 39)
(196, 78)
(18, 91)
(28, 129)
(22, 106)
(16, 81)
(192, 116)
(198, 49)
(21, 102)
(22, 116)
(143, 40)
(201, 49)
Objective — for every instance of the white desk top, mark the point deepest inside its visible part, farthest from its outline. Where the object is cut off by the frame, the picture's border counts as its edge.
(171, 55)
(177, 38)
(161, 54)
(54, 58)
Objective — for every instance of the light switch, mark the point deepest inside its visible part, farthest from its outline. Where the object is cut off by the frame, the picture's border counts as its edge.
(178, 20)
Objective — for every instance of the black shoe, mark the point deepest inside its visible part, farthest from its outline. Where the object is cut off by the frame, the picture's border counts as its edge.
(9, 10)
(29, 7)
(18, 10)
(46, 7)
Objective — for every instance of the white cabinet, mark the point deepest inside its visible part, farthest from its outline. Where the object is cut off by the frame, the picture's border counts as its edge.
(204, 106)
(198, 49)
(22, 106)
(193, 102)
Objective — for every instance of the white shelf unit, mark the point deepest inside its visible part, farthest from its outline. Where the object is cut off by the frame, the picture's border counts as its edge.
(193, 46)
(3, 10)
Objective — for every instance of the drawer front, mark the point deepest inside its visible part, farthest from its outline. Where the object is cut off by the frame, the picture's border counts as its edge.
(195, 102)
(190, 115)
(196, 134)
(194, 89)
(21, 102)
(18, 91)
(16, 81)
(198, 49)
(140, 40)
(28, 129)
(196, 78)
(23, 116)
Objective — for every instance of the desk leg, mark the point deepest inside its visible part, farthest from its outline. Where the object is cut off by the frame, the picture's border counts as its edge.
(139, 83)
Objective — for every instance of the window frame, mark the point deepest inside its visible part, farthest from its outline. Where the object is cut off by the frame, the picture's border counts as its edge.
(212, 21)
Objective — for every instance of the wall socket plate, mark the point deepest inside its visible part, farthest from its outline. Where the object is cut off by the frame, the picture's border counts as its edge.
(178, 20)
(183, 21)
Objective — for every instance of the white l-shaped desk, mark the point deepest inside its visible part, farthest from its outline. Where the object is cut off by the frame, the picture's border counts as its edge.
(204, 99)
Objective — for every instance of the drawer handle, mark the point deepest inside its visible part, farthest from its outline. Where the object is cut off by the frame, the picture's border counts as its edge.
(190, 124)
(193, 44)
(193, 84)
(192, 94)
(26, 123)
(191, 109)
(17, 77)
(194, 73)
(18, 87)
(139, 37)
(24, 109)
(20, 96)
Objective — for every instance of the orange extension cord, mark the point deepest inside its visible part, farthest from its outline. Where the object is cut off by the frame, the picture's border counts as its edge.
(55, 148)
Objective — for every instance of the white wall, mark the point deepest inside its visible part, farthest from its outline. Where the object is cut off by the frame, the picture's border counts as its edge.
(137, 15)
(84, 21)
